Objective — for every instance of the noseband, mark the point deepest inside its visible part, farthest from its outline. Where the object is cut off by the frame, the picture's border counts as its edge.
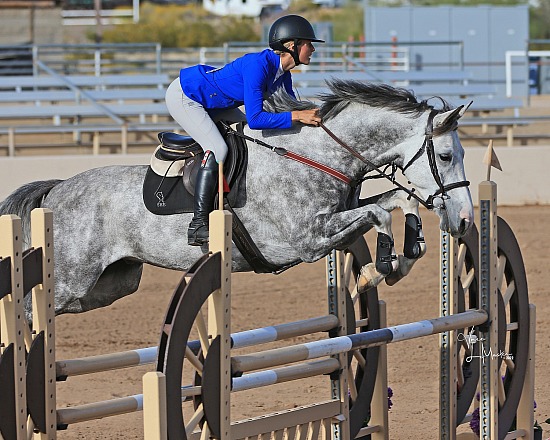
(427, 146)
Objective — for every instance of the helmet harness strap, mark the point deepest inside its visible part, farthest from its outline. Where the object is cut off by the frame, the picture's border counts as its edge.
(294, 53)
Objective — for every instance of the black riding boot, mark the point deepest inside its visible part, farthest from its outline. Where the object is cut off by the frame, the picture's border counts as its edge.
(205, 192)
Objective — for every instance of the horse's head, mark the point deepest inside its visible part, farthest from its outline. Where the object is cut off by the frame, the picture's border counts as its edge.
(437, 171)
(380, 124)
(388, 125)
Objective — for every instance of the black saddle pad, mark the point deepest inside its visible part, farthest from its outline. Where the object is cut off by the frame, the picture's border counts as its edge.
(168, 195)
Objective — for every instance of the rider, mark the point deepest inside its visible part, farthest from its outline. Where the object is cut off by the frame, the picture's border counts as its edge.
(247, 80)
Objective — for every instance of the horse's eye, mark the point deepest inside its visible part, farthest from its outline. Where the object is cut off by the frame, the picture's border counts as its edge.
(447, 157)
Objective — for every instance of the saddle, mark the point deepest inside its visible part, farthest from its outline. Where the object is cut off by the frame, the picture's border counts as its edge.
(169, 184)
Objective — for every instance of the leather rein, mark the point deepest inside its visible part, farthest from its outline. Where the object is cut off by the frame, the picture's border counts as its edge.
(427, 146)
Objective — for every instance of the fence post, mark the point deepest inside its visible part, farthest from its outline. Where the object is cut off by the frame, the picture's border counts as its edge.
(488, 301)
(448, 282)
(43, 306)
(154, 406)
(219, 312)
(337, 306)
(11, 324)
(379, 405)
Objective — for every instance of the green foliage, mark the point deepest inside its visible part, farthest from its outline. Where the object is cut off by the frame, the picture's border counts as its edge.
(302, 7)
(192, 26)
(538, 21)
(347, 21)
(182, 26)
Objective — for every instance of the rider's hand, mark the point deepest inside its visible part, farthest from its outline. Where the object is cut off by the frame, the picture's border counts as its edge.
(308, 117)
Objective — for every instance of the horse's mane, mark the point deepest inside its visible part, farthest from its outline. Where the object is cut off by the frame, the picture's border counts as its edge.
(343, 93)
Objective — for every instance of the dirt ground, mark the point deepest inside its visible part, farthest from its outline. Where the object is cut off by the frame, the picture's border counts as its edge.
(260, 300)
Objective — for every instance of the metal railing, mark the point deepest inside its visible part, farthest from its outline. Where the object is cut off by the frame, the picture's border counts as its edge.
(152, 58)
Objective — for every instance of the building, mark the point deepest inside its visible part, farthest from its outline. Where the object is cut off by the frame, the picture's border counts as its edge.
(475, 38)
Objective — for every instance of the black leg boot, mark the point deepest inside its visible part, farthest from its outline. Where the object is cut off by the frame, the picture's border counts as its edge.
(205, 192)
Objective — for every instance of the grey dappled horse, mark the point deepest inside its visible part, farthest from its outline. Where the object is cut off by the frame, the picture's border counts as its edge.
(103, 233)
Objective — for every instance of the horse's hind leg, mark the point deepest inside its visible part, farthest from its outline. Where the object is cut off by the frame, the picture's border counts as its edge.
(119, 279)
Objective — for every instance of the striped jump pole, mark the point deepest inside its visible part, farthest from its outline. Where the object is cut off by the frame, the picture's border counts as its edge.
(142, 356)
(343, 344)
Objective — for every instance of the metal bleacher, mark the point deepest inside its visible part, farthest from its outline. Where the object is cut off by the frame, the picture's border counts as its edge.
(51, 103)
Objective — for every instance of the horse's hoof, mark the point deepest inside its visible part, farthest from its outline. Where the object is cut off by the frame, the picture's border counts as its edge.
(386, 260)
(405, 266)
(368, 278)
(393, 278)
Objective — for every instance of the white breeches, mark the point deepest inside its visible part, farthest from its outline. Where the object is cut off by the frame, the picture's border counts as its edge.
(195, 120)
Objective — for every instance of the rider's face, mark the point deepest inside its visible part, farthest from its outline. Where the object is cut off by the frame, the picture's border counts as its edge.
(305, 50)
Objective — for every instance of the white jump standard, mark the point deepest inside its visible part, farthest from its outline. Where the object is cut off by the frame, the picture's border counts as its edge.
(189, 301)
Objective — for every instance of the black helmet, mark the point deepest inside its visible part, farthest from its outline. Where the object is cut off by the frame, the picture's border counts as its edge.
(288, 28)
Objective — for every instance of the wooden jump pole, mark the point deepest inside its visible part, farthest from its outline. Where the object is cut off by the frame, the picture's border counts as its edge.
(43, 306)
(379, 423)
(219, 304)
(13, 319)
(339, 383)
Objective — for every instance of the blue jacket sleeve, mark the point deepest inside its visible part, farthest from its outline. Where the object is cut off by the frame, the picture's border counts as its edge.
(255, 78)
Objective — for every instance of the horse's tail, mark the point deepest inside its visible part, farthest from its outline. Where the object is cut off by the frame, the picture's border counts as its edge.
(24, 199)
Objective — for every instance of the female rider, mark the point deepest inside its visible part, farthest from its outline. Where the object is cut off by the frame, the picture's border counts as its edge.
(248, 80)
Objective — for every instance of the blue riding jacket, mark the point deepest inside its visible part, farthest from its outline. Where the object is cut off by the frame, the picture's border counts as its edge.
(248, 80)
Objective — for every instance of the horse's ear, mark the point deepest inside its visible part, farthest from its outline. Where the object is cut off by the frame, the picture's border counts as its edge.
(464, 108)
(451, 116)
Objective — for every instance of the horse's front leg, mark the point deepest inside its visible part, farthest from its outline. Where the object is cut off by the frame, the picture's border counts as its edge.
(343, 225)
(414, 245)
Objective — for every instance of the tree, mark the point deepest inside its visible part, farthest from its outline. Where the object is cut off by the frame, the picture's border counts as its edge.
(539, 20)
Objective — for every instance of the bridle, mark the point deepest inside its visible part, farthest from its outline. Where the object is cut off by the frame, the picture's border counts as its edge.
(428, 147)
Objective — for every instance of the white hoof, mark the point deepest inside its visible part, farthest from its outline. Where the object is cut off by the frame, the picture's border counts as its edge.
(368, 278)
